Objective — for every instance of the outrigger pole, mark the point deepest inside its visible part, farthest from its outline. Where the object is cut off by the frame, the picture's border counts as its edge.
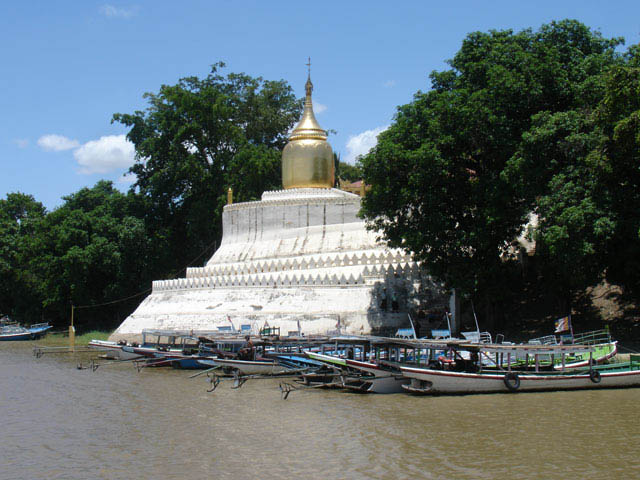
(475, 318)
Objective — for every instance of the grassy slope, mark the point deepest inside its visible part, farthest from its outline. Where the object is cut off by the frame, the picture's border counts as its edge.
(59, 339)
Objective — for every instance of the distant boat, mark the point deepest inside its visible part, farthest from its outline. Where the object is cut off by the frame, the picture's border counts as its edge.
(155, 343)
(13, 332)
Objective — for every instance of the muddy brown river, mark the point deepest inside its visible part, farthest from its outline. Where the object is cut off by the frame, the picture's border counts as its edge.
(58, 422)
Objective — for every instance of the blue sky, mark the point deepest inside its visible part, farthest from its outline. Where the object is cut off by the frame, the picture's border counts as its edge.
(69, 65)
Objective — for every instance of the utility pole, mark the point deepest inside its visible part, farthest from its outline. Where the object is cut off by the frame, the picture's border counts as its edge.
(72, 332)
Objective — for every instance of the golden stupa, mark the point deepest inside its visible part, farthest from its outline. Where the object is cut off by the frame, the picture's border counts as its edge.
(307, 160)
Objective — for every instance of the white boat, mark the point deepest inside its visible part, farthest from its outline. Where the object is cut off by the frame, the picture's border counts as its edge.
(155, 343)
(437, 381)
(429, 380)
(246, 367)
(113, 350)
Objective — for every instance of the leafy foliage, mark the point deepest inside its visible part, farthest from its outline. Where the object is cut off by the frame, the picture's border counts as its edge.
(91, 250)
(346, 171)
(510, 129)
(618, 117)
(197, 139)
(20, 287)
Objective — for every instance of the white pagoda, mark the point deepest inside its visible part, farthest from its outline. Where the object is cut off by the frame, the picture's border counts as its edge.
(299, 259)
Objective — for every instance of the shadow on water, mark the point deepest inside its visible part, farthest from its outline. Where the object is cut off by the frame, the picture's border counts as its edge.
(60, 422)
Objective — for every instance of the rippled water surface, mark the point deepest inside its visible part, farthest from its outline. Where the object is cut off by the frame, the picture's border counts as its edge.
(60, 422)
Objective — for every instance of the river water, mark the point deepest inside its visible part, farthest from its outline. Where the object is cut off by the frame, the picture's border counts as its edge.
(58, 422)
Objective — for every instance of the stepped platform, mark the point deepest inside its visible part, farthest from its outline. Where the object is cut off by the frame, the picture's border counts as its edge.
(299, 259)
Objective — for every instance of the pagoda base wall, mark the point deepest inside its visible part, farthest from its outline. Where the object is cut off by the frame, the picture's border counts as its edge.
(307, 310)
(300, 260)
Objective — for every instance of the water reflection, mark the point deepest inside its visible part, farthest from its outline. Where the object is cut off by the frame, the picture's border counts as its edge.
(60, 422)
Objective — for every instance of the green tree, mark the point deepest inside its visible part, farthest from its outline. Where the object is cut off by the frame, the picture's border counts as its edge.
(20, 286)
(439, 183)
(579, 171)
(195, 140)
(346, 171)
(94, 249)
(619, 169)
(555, 171)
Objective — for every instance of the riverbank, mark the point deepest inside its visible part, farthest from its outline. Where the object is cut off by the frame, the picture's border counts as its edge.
(62, 339)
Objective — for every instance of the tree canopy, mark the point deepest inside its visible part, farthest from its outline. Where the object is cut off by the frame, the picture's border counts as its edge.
(197, 139)
(521, 123)
(20, 287)
(91, 250)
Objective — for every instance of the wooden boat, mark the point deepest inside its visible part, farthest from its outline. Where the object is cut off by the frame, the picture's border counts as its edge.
(15, 332)
(370, 377)
(293, 360)
(604, 348)
(601, 376)
(185, 351)
(181, 349)
(113, 350)
(162, 343)
(246, 367)
(470, 376)
(360, 360)
(153, 341)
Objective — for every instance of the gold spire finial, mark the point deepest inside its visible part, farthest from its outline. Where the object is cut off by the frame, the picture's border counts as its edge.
(308, 126)
(307, 160)
(308, 86)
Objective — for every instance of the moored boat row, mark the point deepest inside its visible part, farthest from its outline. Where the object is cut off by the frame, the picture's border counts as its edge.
(457, 367)
(371, 364)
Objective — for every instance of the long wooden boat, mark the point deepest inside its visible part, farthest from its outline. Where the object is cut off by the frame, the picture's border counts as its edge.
(599, 354)
(470, 377)
(371, 378)
(113, 350)
(425, 380)
(153, 341)
(604, 348)
(246, 367)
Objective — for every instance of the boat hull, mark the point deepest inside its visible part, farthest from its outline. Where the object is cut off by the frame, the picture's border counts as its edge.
(14, 333)
(12, 337)
(247, 367)
(378, 380)
(112, 350)
(446, 382)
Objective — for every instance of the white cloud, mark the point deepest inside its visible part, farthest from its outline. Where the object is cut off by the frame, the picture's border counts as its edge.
(57, 143)
(389, 84)
(319, 107)
(109, 153)
(118, 12)
(361, 144)
(21, 142)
